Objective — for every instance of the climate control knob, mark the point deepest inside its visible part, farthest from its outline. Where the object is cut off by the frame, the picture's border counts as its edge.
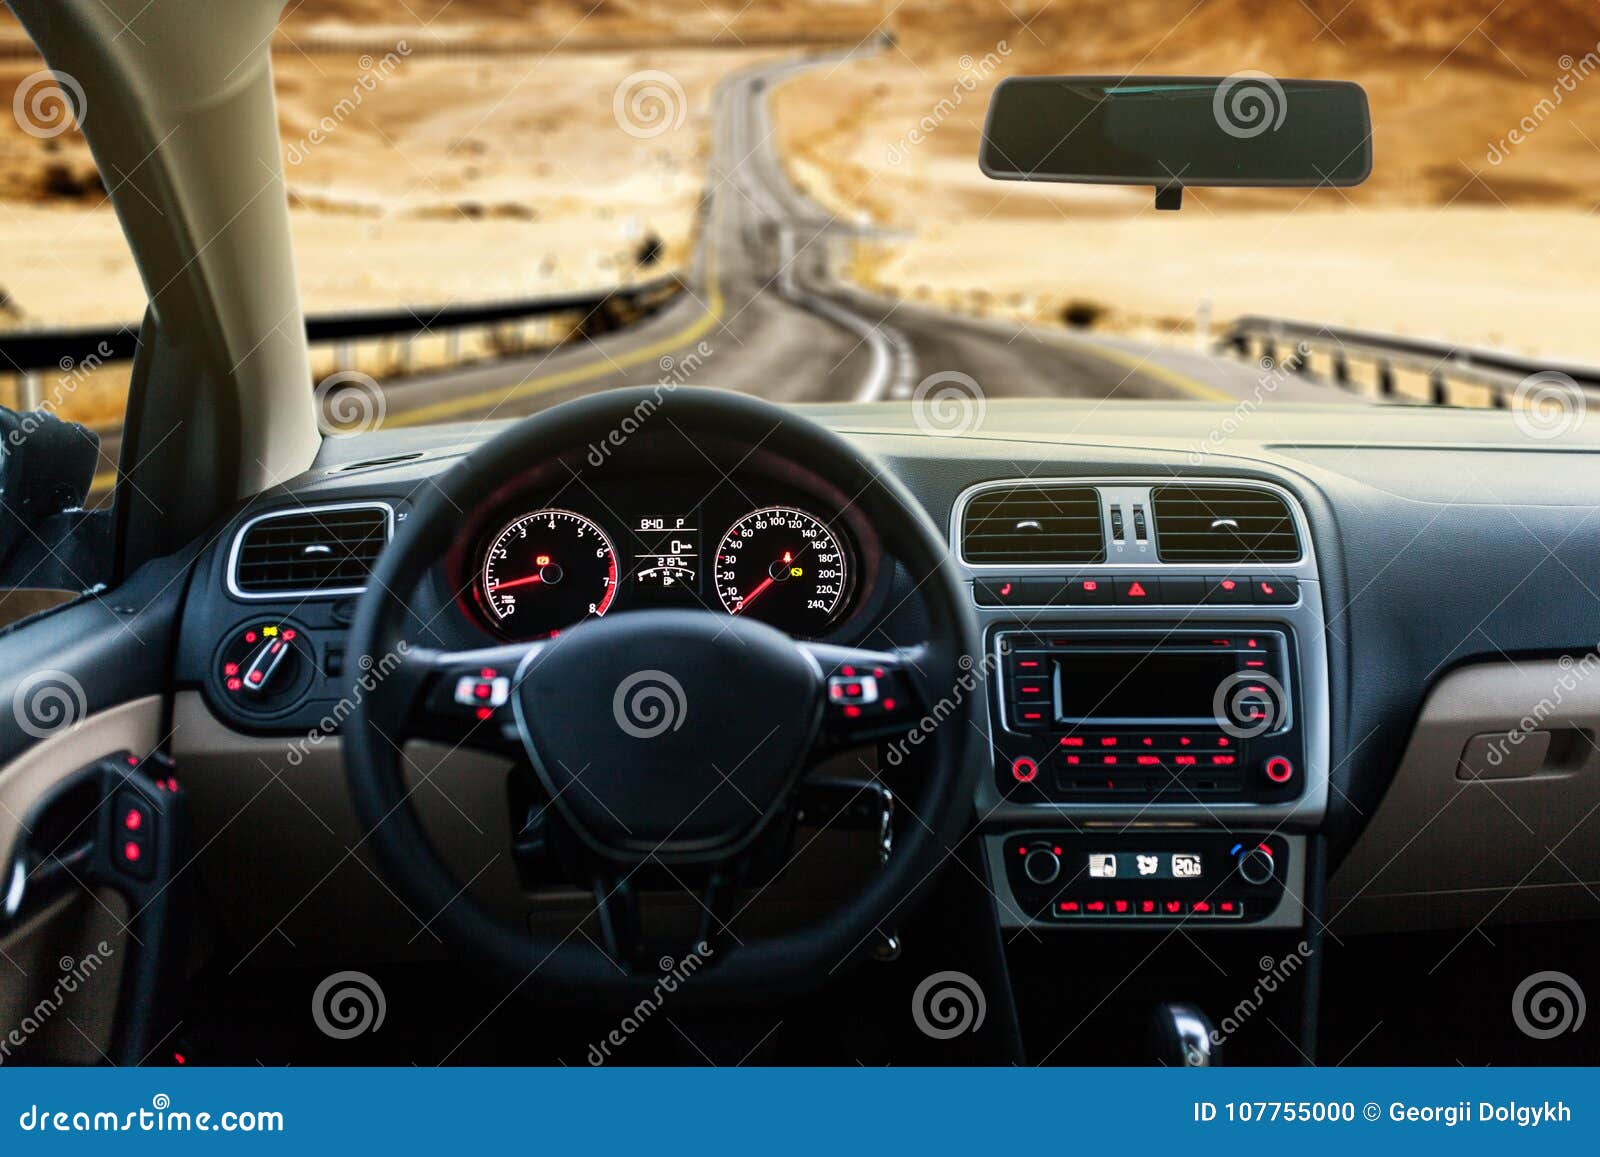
(1042, 866)
(1256, 865)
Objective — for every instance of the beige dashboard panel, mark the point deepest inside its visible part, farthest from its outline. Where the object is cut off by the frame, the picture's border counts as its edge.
(1494, 813)
(281, 855)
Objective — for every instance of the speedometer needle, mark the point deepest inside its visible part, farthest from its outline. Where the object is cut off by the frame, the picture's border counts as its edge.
(755, 594)
(521, 582)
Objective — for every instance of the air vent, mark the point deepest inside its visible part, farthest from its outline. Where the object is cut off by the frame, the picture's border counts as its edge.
(322, 550)
(1034, 524)
(1229, 524)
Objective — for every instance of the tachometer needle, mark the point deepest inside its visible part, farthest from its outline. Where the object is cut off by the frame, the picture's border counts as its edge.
(521, 582)
(755, 594)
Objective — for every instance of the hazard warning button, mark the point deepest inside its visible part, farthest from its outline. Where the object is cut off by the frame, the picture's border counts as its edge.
(1138, 590)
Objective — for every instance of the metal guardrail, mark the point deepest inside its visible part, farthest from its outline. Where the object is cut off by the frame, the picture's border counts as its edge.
(1450, 374)
(27, 352)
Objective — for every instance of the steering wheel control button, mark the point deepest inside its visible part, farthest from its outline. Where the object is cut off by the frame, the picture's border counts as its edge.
(482, 691)
(1024, 770)
(1279, 769)
(1275, 591)
(852, 690)
(1256, 865)
(1042, 866)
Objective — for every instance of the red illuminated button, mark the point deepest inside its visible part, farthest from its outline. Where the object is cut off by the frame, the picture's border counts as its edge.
(1227, 589)
(1069, 907)
(1072, 741)
(1088, 592)
(1095, 907)
(1174, 907)
(473, 690)
(1023, 769)
(1138, 590)
(133, 820)
(1229, 908)
(1279, 769)
(1121, 907)
(1147, 907)
(1222, 760)
(1201, 907)
(131, 852)
(1274, 591)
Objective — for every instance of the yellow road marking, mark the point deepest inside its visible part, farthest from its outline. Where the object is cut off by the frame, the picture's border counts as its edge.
(1145, 366)
(555, 381)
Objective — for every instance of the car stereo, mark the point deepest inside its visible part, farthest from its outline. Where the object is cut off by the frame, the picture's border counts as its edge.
(1179, 715)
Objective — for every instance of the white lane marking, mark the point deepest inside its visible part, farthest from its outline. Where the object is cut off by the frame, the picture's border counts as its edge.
(894, 364)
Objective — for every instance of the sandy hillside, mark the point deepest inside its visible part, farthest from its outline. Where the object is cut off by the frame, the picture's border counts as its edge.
(1443, 241)
(483, 161)
(457, 178)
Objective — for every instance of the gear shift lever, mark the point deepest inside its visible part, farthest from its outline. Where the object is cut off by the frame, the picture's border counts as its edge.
(1180, 1034)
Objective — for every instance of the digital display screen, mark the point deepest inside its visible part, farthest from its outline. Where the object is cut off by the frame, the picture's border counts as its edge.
(666, 553)
(1145, 866)
(1139, 685)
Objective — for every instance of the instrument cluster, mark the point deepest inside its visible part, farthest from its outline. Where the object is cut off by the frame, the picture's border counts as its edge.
(545, 559)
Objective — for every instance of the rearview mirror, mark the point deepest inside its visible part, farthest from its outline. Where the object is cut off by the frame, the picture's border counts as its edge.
(1177, 131)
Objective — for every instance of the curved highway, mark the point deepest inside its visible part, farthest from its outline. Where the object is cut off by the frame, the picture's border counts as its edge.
(763, 313)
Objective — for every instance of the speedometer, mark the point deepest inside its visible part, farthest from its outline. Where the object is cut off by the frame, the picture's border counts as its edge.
(784, 567)
(545, 571)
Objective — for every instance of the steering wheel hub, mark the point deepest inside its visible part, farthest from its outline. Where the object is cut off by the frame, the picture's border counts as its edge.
(668, 734)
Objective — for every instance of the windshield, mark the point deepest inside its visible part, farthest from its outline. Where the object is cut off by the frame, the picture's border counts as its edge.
(498, 206)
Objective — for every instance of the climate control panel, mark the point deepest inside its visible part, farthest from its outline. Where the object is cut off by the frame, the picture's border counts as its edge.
(1134, 879)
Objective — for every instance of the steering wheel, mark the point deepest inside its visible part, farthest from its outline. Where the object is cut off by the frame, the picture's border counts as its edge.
(673, 737)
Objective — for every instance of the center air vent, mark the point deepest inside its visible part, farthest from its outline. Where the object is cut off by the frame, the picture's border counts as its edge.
(1034, 524)
(1228, 524)
(322, 550)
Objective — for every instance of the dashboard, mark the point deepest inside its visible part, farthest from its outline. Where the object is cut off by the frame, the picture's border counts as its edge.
(1376, 617)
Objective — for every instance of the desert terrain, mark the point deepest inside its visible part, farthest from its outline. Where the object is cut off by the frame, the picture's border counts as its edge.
(1458, 235)
(488, 160)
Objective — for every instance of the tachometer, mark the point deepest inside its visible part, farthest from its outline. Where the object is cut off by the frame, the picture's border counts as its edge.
(784, 567)
(545, 571)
